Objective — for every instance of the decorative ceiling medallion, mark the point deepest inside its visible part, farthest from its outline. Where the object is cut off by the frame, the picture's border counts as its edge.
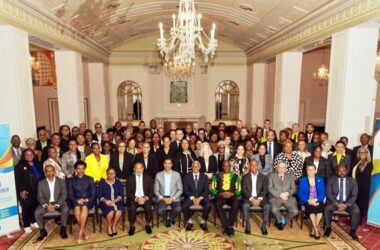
(233, 22)
(247, 7)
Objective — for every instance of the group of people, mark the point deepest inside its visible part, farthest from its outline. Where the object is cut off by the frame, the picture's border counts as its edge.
(188, 170)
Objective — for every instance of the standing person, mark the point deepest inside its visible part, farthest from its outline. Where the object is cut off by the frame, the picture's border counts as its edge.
(311, 194)
(239, 162)
(264, 160)
(255, 193)
(70, 158)
(209, 165)
(292, 159)
(184, 159)
(303, 150)
(273, 147)
(164, 152)
(149, 160)
(97, 136)
(309, 133)
(196, 192)
(82, 197)
(83, 147)
(168, 190)
(122, 162)
(56, 143)
(362, 173)
(226, 188)
(16, 149)
(110, 194)
(364, 142)
(43, 140)
(27, 176)
(339, 157)
(322, 166)
(176, 144)
(221, 155)
(139, 194)
(97, 164)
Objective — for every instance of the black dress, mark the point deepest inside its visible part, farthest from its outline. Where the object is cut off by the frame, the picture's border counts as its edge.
(363, 178)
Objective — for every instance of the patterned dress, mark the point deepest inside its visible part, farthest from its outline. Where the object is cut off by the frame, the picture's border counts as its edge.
(295, 164)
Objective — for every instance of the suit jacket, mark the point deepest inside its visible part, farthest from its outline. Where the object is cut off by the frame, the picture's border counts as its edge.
(332, 190)
(220, 162)
(176, 187)
(68, 163)
(261, 187)
(176, 146)
(304, 189)
(60, 192)
(95, 137)
(354, 154)
(122, 172)
(152, 167)
(276, 148)
(180, 162)
(268, 168)
(14, 156)
(161, 155)
(324, 169)
(189, 186)
(275, 188)
(212, 164)
(346, 160)
(39, 144)
(131, 187)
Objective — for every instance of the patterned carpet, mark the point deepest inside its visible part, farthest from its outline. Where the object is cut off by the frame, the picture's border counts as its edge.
(176, 238)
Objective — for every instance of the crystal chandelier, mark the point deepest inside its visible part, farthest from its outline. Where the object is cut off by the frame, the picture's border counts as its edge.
(177, 70)
(185, 34)
(322, 75)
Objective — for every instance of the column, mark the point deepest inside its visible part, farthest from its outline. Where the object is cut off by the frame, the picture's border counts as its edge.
(287, 89)
(70, 87)
(257, 96)
(98, 81)
(352, 87)
(16, 88)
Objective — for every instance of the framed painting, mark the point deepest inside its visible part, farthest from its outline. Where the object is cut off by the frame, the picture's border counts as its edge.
(178, 92)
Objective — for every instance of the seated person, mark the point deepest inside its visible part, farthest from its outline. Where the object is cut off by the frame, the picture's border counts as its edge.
(110, 195)
(48, 203)
(311, 193)
(281, 189)
(82, 197)
(225, 186)
(168, 189)
(196, 191)
(339, 200)
(255, 193)
(139, 194)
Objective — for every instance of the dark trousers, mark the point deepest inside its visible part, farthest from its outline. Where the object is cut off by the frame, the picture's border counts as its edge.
(234, 203)
(28, 206)
(247, 205)
(132, 212)
(162, 207)
(353, 210)
(205, 203)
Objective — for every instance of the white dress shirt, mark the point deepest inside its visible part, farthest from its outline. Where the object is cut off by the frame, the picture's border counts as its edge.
(139, 186)
(254, 183)
(316, 164)
(51, 189)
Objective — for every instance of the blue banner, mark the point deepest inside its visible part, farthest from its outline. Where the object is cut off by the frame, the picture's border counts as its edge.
(374, 202)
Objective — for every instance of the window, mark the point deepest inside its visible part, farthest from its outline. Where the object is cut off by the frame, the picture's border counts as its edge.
(129, 101)
(227, 101)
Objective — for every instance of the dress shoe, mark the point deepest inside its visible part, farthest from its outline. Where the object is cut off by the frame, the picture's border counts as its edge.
(353, 235)
(328, 232)
(63, 233)
(148, 229)
(264, 231)
(232, 231)
(247, 231)
(204, 227)
(167, 224)
(43, 234)
(173, 222)
(131, 231)
(189, 226)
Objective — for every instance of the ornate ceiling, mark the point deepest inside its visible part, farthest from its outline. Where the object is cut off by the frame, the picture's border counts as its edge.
(244, 23)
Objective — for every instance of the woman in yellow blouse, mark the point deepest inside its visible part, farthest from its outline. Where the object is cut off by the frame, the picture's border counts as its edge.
(97, 164)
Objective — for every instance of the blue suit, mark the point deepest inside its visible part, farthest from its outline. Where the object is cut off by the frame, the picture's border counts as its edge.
(304, 189)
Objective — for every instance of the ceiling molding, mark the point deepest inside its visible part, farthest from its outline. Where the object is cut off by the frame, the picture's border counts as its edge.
(324, 24)
(37, 23)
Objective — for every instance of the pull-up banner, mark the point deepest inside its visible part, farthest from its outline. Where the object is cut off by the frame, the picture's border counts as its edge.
(374, 194)
(9, 221)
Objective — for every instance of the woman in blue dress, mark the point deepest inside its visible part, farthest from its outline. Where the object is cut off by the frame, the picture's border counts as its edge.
(82, 197)
(110, 195)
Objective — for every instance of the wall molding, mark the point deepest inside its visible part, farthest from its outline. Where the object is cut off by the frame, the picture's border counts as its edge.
(322, 23)
(45, 26)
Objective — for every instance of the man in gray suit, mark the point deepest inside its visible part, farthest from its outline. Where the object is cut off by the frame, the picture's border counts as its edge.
(281, 189)
(168, 189)
(52, 194)
(16, 149)
(342, 192)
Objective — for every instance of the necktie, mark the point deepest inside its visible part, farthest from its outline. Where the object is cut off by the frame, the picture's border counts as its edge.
(341, 190)
(18, 154)
(270, 148)
(196, 181)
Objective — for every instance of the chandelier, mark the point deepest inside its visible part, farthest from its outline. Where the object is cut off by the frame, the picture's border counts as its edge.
(177, 70)
(35, 64)
(185, 34)
(377, 70)
(322, 75)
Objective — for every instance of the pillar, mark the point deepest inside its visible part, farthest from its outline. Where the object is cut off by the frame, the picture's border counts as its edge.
(98, 81)
(287, 89)
(352, 87)
(16, 88)
(258, 93)
(70, 87)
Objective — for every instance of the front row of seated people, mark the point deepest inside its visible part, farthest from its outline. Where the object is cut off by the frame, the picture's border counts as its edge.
(271, 194)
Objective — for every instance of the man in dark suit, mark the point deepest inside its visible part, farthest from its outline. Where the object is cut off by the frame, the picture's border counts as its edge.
(176, 145)
(255, 192)
(139, 194)
(149, 160)
(97, 136)
(43, 140)
(221, 155)
(16, 149)
(342, 192)
(339, 157)
(309, 133)
(364, 142)
(273, 148)
(196, 191)
(52, 195)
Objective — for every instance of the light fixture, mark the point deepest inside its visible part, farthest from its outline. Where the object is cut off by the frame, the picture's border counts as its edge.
(322, 74)
(35, 64)
(185, 34)
(377, 70)
(177, 70)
